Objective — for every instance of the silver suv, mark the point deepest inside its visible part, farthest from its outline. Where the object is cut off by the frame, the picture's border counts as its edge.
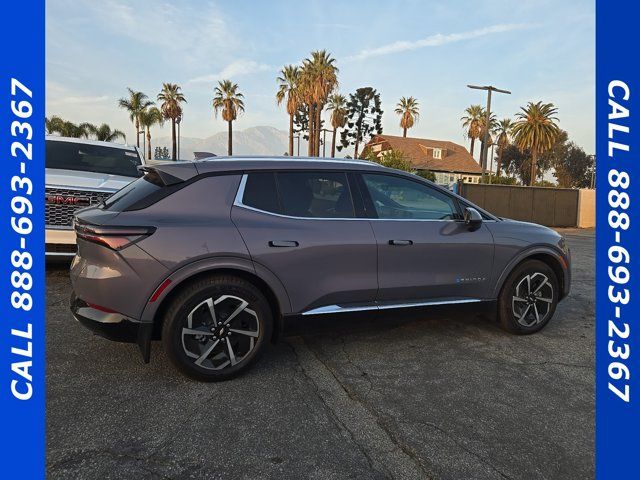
(212, 256)
(81, 173)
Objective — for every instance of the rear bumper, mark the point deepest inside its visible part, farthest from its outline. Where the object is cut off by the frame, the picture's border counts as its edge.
(111, 325)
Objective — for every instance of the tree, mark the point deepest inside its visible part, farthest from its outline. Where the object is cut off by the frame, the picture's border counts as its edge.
(516, 163)
(409, 111)
(230, 101)
(171, 108)
(135, 105)
(427, 174)
(150, 117)
(471, 122)
(493, 127)
(318, 78)
(337, 105)
(104, 133)
(503, 131)
(572, 166)
(392, 159)
(535, 130)
(66, 128)
(289, 80)
(363, 119)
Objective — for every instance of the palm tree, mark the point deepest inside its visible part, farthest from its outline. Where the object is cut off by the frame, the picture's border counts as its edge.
(66, 128)
(171, 98)
(535, 130)
(104, 133)
(471, 123)
(150, 117)
(228, 99)
(503, 131)
(289, 80)
(408, 109)
(135, 104)
(337, 104)
(493, 126)
(319, 77)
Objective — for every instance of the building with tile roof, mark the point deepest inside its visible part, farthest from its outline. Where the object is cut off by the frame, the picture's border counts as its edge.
(449, 161)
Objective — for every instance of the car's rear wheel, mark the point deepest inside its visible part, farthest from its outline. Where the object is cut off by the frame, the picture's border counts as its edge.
(529, 298)
(216, 328)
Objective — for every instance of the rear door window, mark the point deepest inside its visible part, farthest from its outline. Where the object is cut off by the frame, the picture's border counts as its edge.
(315, 194)
(261, 192)
(92, 158)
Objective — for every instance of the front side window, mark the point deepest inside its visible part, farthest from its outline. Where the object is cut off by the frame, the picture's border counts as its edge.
(400, 198)
(92, 158)
(315, 194)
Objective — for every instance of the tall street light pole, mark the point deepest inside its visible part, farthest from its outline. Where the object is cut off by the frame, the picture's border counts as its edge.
(485, 147)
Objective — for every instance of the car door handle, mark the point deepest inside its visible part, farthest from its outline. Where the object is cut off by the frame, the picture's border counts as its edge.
(283, 243)
(401, 242)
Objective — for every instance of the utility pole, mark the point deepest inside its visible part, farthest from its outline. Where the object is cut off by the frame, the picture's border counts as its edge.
(485, 147)
(178, 121)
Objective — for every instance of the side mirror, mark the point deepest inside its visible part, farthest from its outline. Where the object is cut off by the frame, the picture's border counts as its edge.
(472, 218)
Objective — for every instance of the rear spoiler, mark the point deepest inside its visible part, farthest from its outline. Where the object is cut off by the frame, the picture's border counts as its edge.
(173, 173)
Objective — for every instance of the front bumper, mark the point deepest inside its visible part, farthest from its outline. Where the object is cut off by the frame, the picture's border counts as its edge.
(60, 242)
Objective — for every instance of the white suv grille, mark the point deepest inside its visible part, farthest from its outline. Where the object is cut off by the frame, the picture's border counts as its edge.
(62, 203)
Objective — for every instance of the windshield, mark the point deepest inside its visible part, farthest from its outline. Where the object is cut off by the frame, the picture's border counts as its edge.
(92, 158)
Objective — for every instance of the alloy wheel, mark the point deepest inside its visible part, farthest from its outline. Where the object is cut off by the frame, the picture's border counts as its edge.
(532, 299)
(221, 332)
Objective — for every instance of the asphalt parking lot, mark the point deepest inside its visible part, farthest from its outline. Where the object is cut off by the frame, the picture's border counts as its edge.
(427, 396)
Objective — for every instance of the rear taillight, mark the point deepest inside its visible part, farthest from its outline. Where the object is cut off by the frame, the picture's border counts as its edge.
(113, 237)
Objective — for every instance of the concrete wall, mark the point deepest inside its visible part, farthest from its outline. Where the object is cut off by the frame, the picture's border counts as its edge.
(553, 207)
(587, 208)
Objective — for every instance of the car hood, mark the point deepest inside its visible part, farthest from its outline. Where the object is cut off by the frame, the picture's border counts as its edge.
(77, 179)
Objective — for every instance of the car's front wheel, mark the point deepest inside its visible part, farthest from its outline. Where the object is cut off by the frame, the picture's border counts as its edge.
(529, 297)
(216, 328)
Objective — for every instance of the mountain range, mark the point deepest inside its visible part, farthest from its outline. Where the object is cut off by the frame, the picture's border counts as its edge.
(262, 140)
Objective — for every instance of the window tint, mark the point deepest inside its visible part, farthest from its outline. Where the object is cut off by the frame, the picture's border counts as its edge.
(315, 194)
(260, 192)
(92, 158)
(136, 192)
(400, 198)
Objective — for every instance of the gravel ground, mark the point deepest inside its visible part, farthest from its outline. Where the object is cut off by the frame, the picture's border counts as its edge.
(404, 396)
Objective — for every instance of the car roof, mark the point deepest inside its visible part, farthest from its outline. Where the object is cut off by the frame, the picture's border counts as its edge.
(219, 164)
(87, 141)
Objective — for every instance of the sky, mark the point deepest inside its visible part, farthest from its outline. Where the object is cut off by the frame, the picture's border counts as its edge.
(537, 49)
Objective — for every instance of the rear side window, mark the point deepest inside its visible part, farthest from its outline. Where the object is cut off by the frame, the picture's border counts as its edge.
(261, 192)
(300, 194)
(92, 158)
(315, 194)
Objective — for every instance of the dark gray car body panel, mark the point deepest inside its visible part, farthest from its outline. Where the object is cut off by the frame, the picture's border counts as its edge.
(204, 227)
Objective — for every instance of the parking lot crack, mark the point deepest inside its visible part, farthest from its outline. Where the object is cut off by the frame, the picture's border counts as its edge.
(385, 451)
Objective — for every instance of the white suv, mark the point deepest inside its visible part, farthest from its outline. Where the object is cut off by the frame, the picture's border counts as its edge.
(80, 173)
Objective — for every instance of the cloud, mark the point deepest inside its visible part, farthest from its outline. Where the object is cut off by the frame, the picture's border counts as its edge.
(434, 41)
(236, 68)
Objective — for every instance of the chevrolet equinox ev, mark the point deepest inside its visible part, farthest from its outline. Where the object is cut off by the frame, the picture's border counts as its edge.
(213, 256)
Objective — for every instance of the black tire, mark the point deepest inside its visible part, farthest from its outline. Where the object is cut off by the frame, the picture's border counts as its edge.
(524, 321)
(184, 353)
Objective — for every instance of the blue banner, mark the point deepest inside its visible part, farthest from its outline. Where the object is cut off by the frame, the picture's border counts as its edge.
(617, 265)
(22, 306)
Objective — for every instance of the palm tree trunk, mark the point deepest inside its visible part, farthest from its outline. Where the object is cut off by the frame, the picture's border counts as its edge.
(333, 143)
(230, 146)
(173, 139)
(311, 118)
(534, 161)
(137, 132)
(148, 143)
(499, 164)
(291, 135)
(473, 141)
(318, 128)
(404, 131)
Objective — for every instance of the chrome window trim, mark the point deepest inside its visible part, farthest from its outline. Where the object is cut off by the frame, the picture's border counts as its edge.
(240, 193)
(338, 309)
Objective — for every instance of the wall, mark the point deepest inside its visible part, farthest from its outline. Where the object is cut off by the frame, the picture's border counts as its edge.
(553, 207)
